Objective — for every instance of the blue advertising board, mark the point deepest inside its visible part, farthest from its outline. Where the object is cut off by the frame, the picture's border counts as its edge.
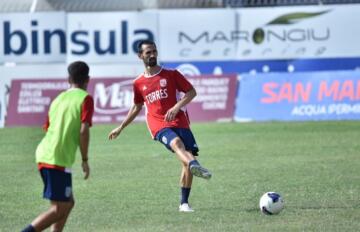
(264, 66)
(299, 96)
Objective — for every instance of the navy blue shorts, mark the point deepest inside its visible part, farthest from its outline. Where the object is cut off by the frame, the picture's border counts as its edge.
(166, 135)
(57, 184)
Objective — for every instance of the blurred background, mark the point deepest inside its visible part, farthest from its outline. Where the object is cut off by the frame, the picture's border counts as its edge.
(250, 60)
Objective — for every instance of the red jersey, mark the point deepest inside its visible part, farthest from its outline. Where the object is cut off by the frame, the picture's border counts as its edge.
(160, 92)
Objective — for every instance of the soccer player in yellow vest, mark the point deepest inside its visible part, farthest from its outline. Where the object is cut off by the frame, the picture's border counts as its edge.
(69, 119)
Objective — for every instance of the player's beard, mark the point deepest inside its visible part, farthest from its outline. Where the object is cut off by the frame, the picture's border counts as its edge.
(151, 62)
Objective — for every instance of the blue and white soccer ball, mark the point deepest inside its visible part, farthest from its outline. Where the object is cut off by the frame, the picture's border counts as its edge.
(271, 203)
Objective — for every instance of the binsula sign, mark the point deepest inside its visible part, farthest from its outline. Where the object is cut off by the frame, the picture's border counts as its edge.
(110, 37)
(39, 37)
(61, 37)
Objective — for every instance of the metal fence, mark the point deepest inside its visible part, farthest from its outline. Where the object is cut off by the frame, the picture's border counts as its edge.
(103, 5)
(133, 5)
(264, 3)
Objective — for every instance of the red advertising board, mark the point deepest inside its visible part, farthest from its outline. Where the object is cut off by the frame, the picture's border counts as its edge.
(30, 99)
(215, 100)
(113, 98)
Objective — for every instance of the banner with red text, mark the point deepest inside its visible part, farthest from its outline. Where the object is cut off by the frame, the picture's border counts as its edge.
(299, 96)
(30, 99)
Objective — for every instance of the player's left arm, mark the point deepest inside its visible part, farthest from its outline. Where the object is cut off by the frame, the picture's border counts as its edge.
(84, 148)
(190, 93)
(87, 112)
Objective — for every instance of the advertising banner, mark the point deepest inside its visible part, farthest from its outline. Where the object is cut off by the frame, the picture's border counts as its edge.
(281, 33)
(197, 34)
(298, 32)
(33, 38)
(30, 99)
(215, 100)
(299, 96)
(263, 66)
(113, 98)
(108, 37)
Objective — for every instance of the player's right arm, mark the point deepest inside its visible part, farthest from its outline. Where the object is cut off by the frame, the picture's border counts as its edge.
(133, 112)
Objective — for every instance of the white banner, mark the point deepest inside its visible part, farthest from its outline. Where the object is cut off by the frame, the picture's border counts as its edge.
(197, 35)
(307, 32)
(108, 37)
(330, 31)
(260, 33)
(33, 37)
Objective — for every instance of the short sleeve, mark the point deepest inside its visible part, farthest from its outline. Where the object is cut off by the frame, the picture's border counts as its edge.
(46, 124)
(87, 110)
(138, 98)
(182, 83)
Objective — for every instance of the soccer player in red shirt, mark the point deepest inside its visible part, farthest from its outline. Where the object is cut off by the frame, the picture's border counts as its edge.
(167, 119)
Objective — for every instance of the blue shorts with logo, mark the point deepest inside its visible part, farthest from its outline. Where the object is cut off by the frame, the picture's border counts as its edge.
(57, 184)
(166, 135)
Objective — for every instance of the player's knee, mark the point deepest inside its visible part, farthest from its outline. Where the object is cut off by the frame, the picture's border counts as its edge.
(57, 211)
(185, 165)
(177, 144)
(71, 204)
(60, 210)
(54, 228)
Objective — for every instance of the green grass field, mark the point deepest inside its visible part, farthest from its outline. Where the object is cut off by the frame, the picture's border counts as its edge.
(134, 180)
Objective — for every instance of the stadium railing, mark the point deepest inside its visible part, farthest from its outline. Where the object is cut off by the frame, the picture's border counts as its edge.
(264, 3)
(126, 5)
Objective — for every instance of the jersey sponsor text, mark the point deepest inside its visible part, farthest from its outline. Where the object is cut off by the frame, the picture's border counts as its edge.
(156, 95)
